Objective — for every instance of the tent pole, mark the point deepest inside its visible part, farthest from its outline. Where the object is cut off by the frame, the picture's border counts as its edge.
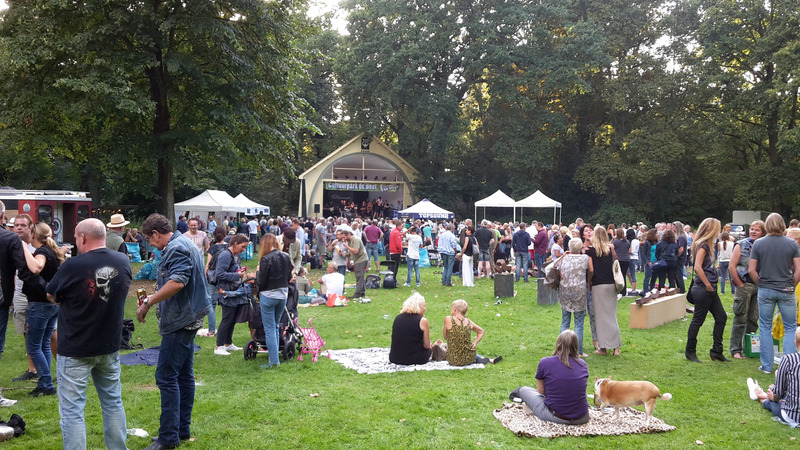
(476, 212)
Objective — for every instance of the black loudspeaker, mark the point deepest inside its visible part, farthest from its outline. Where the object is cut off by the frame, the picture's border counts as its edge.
(316, 208)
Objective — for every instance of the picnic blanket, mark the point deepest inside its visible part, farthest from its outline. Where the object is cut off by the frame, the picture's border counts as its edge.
(146, 357)
(631, 421)
(376, 360)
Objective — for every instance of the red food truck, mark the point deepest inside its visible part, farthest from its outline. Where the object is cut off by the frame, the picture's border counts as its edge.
(62, 210)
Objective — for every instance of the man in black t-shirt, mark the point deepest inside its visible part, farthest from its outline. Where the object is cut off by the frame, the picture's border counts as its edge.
(91, 289)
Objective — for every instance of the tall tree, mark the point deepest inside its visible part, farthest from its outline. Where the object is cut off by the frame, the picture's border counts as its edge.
(179, 85)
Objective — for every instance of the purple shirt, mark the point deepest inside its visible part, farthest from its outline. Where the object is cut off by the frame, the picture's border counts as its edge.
(373, 234)
(564, 388)
(540, 243)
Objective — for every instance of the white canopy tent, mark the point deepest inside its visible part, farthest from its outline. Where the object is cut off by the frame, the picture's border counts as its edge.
(426, 209)
(253, 208)
(208, 201)
(539, 200)
(499, 200)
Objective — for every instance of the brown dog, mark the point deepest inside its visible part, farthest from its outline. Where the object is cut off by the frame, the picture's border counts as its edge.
(618, 394)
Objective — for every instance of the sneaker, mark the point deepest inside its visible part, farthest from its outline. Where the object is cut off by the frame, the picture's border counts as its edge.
(407, 285)
(752, 385)
(514, 396)
(768, 372)
(221, 351)
(39, 392)
(232, 348)
(27, 375)
(7, 402)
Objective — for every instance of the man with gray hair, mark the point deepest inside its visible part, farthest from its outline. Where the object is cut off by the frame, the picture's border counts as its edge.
(91, 289)
(12, 261)
(447, 247)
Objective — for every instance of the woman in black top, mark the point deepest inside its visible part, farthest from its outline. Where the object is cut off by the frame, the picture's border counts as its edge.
(622, 248)
(470, 247)
(41, 315)
(231, 293)
(704, 291)
(274, 275)
(411, 334)
(219, 244)
(604, 293)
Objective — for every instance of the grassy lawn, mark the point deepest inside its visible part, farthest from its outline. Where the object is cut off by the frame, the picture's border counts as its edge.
(242, 406)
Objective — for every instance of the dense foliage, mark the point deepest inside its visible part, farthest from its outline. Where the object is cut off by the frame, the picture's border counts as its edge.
(622, 111)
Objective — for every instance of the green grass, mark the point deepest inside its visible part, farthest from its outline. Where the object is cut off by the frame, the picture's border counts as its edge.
(240, 406)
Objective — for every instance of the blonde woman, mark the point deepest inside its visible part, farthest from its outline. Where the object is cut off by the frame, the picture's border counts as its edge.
(41, 315)
(411, 333)
(604, 294)
(461, 348)
(704, 291)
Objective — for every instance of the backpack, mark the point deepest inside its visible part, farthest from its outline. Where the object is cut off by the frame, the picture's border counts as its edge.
(372, 281)
(211, 275)
(127, 335)
(389, 281)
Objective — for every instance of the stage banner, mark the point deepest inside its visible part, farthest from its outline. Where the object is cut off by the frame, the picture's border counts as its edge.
(359, 186)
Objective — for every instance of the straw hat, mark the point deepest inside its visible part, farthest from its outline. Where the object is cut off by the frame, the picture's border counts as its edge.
(117, 221)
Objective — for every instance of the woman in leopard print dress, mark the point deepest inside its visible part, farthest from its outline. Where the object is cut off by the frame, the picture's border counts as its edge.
(458, 334)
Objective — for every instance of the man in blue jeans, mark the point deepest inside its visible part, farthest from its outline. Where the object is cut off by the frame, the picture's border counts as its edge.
(540, 248)
(182, 298)
(91, 312)
(520, 242)
(12, 259)
(775, 267)
(447, 248)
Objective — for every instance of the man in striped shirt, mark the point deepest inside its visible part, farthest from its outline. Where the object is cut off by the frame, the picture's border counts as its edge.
(783, 397)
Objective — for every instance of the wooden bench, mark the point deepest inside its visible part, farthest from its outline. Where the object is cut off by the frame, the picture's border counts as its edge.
(658, 312)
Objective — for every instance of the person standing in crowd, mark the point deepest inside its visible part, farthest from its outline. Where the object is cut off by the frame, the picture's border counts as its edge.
(321, 241)
(360, 260)
(114, 239)
(622, 248)
(339, 252)
(374, 235)
(469, 246)
(288, 243)
(235, 307)
(557, 251)
(775, 267)
(275, 273)
(745, 299)
(41, 315)
(683, 251)
(182, 300)
(575, 269)
(485, 239)
(630, 235)
(540, 248)
(412, 257)
(200, 238)
(604, 294)
(90, 315)
(218, 245)
(182, 226)
(520, 242)
(12, 261)
(724, 254)
(212, 224)
(396, 245)
(447, 246)
(585, 233)
(242, 228)
(706, 298)
(22, 227)
(667, 249)
(649, 253)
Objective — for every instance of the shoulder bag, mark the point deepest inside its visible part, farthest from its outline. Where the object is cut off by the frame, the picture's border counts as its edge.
(619, 278)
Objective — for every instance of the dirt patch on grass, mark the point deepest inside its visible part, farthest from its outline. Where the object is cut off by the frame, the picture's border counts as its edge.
(146, 387)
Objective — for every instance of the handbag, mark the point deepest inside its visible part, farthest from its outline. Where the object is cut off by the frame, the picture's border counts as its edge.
(619, 278)
(661, 264)
(689, 296)
(552, 275)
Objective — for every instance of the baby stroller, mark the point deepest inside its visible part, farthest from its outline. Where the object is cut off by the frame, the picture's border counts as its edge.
(291, 338)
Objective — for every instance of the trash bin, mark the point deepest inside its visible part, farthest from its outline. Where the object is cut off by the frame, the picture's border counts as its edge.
(504, 285)
(545, 295)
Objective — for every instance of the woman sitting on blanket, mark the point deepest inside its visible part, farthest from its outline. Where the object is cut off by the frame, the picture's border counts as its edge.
(461, 350)
(560, 394)
(411, 334)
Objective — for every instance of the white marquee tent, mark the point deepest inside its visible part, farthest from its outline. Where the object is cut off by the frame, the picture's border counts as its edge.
(253, 208)
(210, 201)
(426, 209)
(539, 200)
(498, 199)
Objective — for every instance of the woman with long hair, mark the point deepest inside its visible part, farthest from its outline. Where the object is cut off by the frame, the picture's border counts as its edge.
(585, 233)
(231, 293)
(469, 246)
(218, 245)
(724, 255)
(604, 293)
(704, 291)
(560, 394)
(41, 315)
(622, 248)
(274, 275)
(630, 235)
(667, 249)
(649, 251)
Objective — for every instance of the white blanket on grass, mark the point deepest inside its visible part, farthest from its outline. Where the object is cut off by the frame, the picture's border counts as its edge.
(376, 360)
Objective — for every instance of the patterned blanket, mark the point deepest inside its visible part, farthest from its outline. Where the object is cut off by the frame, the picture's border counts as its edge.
(376, 360)
(631, 421)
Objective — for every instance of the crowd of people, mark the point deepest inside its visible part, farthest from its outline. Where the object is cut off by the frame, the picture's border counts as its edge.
(47, 289)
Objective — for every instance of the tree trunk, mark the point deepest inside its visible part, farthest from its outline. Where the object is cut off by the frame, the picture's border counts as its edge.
(161, 125)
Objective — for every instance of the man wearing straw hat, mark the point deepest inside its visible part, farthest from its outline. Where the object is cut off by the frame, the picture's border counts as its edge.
(114, 239)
